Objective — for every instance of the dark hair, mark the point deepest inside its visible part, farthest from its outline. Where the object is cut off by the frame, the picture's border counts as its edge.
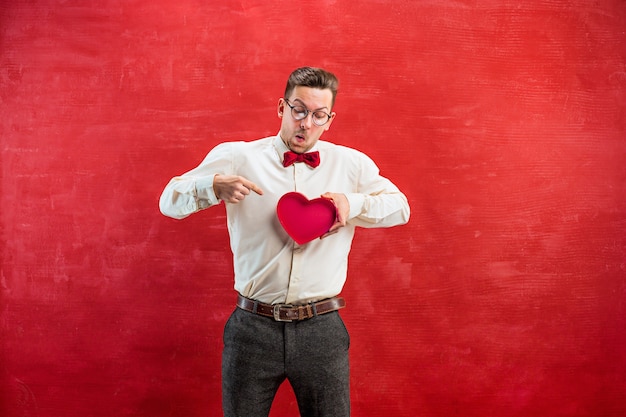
(314, 78)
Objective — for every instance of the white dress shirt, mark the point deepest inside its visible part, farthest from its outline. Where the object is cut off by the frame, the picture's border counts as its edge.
(269, 266)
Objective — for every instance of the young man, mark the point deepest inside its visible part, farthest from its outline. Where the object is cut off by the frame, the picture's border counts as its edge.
(286, 324)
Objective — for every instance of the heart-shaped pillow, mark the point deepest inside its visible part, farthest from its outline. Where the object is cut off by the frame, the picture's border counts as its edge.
(304, 219)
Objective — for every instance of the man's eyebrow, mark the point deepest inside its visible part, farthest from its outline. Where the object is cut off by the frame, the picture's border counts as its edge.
(304, 105)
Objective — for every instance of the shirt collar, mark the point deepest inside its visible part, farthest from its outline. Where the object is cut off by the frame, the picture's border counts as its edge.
(281, 148)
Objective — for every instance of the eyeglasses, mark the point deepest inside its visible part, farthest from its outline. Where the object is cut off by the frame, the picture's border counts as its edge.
(298, 112)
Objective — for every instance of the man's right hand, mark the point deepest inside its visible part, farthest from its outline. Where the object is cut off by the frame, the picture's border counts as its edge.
(233, 188)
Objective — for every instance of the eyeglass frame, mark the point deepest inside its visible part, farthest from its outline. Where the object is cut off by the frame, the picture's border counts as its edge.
(313, 119)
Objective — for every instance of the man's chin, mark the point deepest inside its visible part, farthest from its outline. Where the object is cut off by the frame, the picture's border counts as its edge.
(298, 147)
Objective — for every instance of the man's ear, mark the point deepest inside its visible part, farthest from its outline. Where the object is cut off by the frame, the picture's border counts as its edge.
(281, 108)
(330, 122)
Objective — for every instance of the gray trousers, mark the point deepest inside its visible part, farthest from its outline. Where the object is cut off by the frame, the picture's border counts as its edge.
(260, 353)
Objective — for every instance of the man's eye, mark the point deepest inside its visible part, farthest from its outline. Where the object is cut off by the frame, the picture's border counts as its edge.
(320, 115)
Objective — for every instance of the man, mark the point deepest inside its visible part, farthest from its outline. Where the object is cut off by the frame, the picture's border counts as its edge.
(286, 324)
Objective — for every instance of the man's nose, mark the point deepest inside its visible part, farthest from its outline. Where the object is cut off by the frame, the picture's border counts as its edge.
(307, 121)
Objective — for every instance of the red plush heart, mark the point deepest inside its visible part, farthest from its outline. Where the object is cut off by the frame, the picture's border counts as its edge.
(304, 219)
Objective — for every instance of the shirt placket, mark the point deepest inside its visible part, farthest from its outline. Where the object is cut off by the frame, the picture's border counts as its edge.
(297, 257)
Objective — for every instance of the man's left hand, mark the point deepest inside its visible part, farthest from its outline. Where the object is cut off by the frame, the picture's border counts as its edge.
(343, 210)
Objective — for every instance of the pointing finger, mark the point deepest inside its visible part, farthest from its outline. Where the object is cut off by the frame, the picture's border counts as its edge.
(252, 186)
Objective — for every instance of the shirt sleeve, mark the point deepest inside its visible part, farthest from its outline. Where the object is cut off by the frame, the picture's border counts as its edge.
(193, 191)
(377, 202)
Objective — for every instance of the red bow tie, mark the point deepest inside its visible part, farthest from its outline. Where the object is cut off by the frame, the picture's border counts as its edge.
(310, 158)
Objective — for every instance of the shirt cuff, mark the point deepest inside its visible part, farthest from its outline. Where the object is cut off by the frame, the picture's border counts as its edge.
(205, 193)
(356, 202)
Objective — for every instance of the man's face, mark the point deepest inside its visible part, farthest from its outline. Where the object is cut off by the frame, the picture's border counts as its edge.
(301, 135)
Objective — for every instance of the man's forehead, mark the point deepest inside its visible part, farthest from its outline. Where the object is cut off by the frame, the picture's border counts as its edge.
(314, 97)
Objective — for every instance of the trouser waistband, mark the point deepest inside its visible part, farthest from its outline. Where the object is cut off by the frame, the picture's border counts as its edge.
(289, 312)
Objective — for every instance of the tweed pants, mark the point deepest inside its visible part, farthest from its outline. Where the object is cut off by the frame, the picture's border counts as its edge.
(260, 353)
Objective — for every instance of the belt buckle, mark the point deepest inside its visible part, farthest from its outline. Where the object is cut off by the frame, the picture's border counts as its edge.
(277, 308)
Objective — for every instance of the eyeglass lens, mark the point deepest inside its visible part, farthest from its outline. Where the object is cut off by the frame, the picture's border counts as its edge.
(320, 118)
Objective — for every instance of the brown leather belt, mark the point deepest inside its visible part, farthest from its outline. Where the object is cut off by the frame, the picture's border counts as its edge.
(289, 312)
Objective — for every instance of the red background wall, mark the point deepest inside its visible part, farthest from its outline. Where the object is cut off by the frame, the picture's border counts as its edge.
(503, 121)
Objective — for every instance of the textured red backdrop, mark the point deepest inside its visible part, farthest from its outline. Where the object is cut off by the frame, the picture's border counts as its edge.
(503, 121)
